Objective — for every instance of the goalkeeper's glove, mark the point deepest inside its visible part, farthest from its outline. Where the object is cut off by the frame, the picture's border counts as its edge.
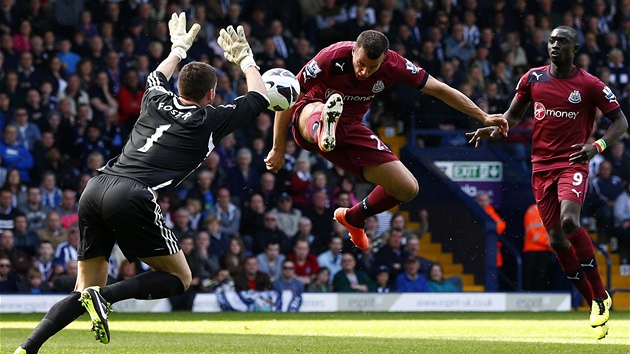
(182, 40)
(236, 48)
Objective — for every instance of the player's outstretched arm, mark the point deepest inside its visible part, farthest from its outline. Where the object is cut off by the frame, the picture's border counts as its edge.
(282, 120)
(461, 102)
(181, 42)
(513, 116)
(238, 51)
(587, 151)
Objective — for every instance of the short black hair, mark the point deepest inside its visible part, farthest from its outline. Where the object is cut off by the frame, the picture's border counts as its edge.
(374, 43)
(195, 79)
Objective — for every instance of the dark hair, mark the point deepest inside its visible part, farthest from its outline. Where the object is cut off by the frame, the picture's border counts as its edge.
(195, 79)
(374, 43)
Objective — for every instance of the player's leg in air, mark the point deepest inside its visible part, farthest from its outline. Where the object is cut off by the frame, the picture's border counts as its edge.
(317, 124)
(574, 250)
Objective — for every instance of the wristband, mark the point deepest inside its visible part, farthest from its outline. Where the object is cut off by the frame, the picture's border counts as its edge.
(178, 52)
(247, 62)
(600, 144)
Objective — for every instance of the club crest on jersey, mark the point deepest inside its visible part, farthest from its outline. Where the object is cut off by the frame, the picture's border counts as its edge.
(610, 96)
(311, 70)
(378, 86)
(575, 97)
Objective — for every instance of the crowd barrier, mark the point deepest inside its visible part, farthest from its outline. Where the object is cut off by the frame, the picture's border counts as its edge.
(324, 302)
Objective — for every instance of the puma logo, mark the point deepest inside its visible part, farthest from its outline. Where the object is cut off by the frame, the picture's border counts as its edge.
(576, 192)
(340, 65)
(537, 75)
(590, 264)
(576, 277)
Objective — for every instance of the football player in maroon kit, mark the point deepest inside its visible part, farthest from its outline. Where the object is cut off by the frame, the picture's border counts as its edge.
(565, 101)
(338, 85)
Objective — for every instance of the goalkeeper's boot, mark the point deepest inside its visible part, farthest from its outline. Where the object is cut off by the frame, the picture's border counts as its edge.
(98, 309)
(357, 234)
(328, 122)
(19, 350)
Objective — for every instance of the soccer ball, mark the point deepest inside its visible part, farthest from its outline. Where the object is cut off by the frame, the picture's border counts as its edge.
(283, 88)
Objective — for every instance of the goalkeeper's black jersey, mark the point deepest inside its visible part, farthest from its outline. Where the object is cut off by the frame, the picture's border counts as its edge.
(170, 139)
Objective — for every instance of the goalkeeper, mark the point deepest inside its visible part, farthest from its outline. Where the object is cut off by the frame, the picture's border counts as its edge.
(172, 137)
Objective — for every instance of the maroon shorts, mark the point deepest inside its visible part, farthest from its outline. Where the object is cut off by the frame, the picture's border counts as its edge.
(553, 186)
(357, 146)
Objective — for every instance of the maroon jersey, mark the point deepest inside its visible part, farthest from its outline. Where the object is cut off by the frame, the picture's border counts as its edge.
(331, 71)
(564, 111)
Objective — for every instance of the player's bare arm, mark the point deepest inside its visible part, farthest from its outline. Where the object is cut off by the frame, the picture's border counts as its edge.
(587, 151)
(513, 116)
(461, 102)
(282, 120)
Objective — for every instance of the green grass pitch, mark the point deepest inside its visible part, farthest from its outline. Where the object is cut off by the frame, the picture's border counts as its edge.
(181, 332)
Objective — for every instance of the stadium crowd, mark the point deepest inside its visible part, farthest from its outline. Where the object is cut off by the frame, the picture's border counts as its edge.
(73, 74)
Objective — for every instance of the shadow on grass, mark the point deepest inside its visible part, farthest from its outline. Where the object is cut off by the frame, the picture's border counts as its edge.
(76, 341)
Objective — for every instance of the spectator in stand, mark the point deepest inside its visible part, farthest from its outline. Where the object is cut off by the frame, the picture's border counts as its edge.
(457, 46)
(606, 189)
(202, 190)
(50, 193)
(213, 164)
(243, 178)
(14, 154)
(348, 280)
(320, 214)
(301, 179)
(287, 280)
(219, 241)
(252, 278)
(413, 247)
(181, 225)
(436, 280)
(322, 283)
(129, 100)
(226, 212)
(67, 250)
(102, 97)
(619, 160)
(28, 133)
(234, 258)
(69, 208)
(75, 94)
(622, 224)
(9, 281)
(52, 232)
(268, 189)
(382, 281)
(210, 264)
(20, 260)
(537, 252)
(34, 210)
(411, 280)
(305, 262)
(114, 135)
(45, 261)
(392, 255)
(288, 216)
(195, 213)
(331, 259)
(13, 183)
(185, 300)
(64, 283)
(271, 260)
(252, 220)
(305, 228)
(7, 211)
(346, 184)
(483, 200)
(25, 239)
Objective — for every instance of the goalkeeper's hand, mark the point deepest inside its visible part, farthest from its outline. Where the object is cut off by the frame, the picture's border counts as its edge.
(236, 48)
(182, 40)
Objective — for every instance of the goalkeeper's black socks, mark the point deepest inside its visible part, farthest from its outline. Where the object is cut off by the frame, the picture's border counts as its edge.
(145, 286)
(59, 316)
